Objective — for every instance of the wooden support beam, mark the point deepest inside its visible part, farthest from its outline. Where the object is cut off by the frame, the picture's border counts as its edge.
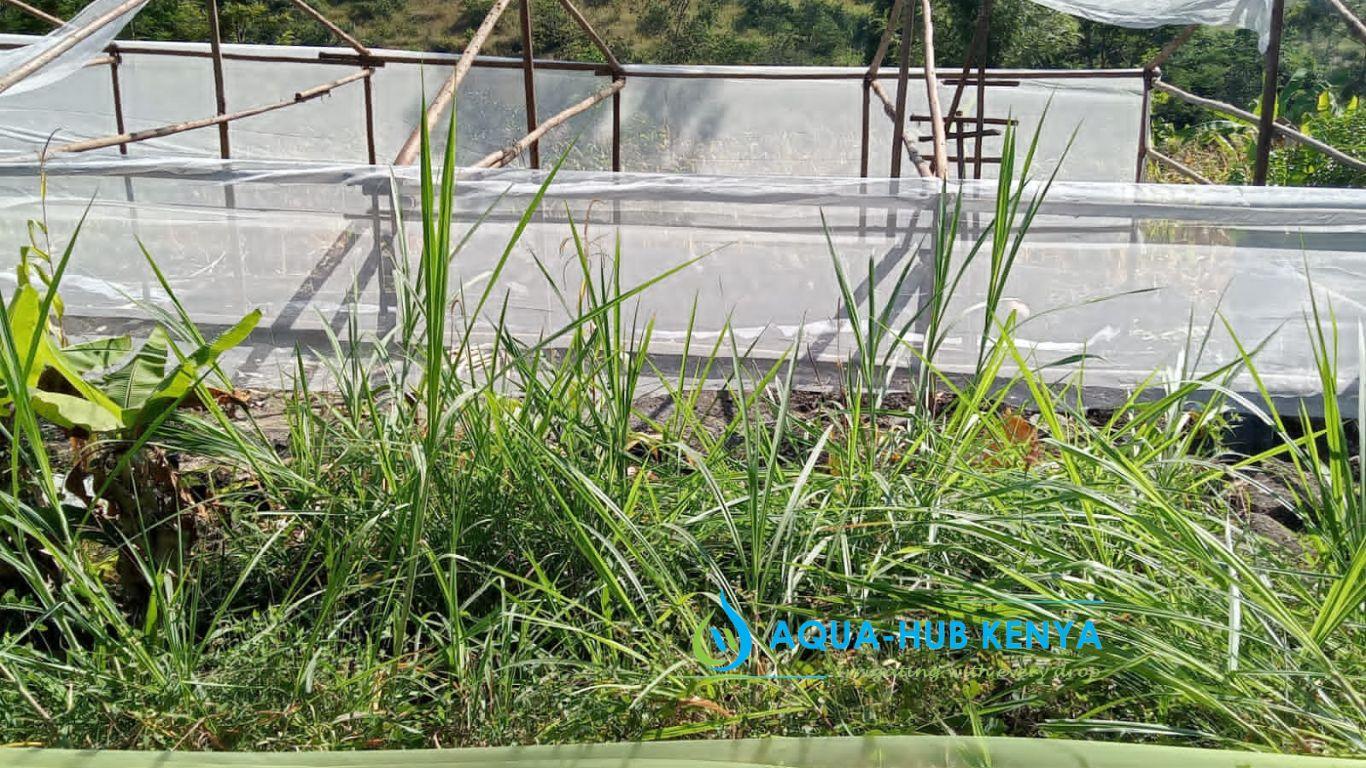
(1270, 75)
(370, 121)
(979, 35)
(529, 80)
(505, 155)
(1353, 23)
(66, 43)
(337, 31)
(863, 144)
(1285, 131)
(190, 125)
(902, 75)
(220, 95)
(1144, 125)
(1180, 168)
(1170, 48)
(616, 123)
(118, 100)
(886, 40)
(36, 13)
(408, 153)
(594, 36)
(932, 90)
(921, 167)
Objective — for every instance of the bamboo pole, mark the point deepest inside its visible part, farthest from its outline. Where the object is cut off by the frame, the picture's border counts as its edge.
(220, 96)
(67, 43)
(1270, 75)
(36, 13)
(594, 36)
(886, 40)
(1170, 48)
(932, 90)
(529, 80)
(1184, 170)
(1287, 132)
(921, 167)
(503, 156)
(902, 73)
(190, 125)
(1353, 23)
(333, 28)
(443, 98)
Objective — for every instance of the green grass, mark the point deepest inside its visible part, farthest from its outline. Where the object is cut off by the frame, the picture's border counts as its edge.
(492, 546)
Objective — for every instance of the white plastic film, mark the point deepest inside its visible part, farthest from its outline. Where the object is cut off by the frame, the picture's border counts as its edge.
(1129, 275)
(72, 58)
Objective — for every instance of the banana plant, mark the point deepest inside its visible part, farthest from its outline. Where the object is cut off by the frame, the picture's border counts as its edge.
(111, 399)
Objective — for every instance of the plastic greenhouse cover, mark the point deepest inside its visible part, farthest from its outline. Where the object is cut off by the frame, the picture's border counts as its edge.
(673, 121)
(1133, 276)
(832, 752)
(68, 62)
(1247, 14)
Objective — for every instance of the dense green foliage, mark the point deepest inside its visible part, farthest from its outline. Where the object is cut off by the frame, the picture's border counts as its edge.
(1318, 54)
(474, 543)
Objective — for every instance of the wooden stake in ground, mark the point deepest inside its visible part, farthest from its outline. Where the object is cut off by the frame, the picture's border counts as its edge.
(941, 162)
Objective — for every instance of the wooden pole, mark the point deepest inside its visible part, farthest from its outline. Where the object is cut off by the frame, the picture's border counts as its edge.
(979, 33)
(594, 36)
(863, 145)
(1269, 77)
(902, 75)
(932, 90)
(220, 96)
(369, 121)
(118, 101)
(1353, 23)
(886, 40)
(67, 43)
(1170, 48)
(333, 28)
(36, 13)
(190, 125)
(616, 123)
(529, 81)
(410, 148)
(1288, 133)
(1189, 173)
(982, 53)
(505, 155)
(921, 167)
(1143, 123)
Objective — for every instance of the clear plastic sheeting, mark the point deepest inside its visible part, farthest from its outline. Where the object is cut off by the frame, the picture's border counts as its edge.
(800, 121)
(1245, 14)
(1130, 276)
(73, 58)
